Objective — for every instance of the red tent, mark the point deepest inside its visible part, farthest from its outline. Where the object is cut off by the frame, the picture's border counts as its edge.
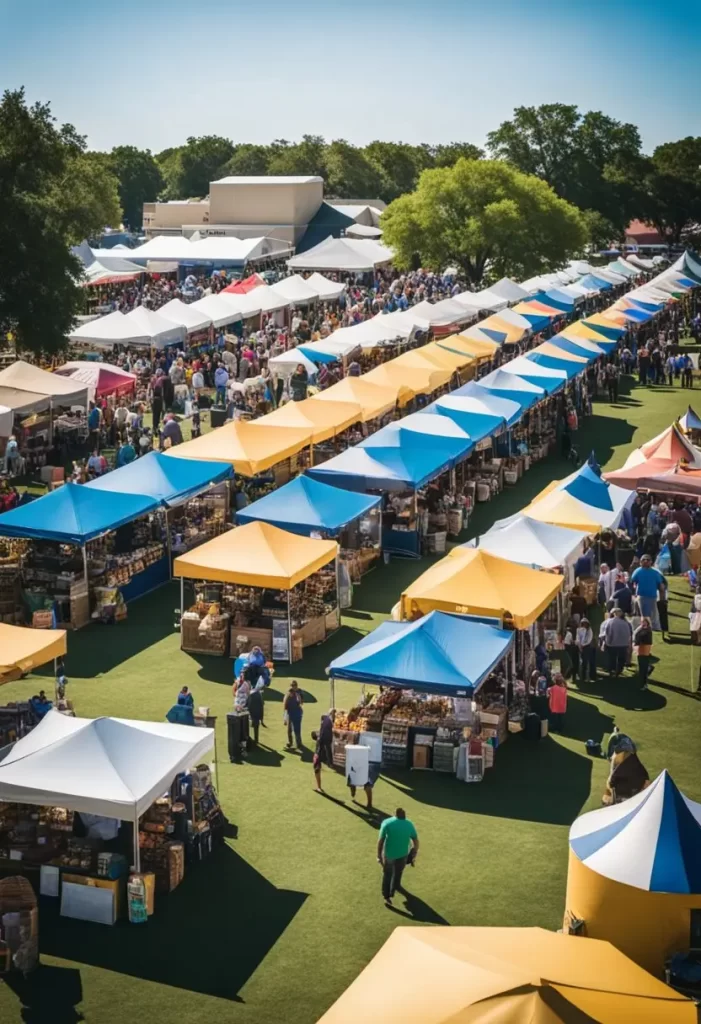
(670, 444)
(245, 286)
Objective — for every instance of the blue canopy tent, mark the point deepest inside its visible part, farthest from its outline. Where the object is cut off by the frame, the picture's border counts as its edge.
(439, 653)
(317, 356)
(638, 316)
(556, 299)
(401, 468)
(595, 283)
(549, 380)
(587, 486)
(499, 405)
(537, 321)
(305, 505)
(552, 363)
(508, 385)
(477, 425)
(608, 334)
(571, 346)
(441, 435)
(74, 514)
(651, 307)
(167, 481)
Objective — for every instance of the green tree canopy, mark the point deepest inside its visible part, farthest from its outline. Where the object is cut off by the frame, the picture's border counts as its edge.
(483, 216)
(573, 152)
(140, 181)
(189, 169)
(305, 157)
(350, 174)
(52, 194)
(248, 159)
(669, 187)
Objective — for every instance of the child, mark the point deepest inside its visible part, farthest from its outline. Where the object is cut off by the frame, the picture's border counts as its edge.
(557, 702)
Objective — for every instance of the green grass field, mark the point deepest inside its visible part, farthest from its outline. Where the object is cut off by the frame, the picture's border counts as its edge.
(277, 923)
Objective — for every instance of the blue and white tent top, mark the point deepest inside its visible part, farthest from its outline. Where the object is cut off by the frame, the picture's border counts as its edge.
(542, 376)
(439, 653)
(651, 842)
(690, 420)
(440, 434)
(382, 469)
(508, 384)
(169, 481)
(477, 424)
(590, 489)
(481, 402)
(566, 366)
(530, 542)
(304, 506)
(581, 347)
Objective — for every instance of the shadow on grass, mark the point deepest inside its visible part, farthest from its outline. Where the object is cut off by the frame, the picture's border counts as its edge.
(416, 909)
(543, 781)
(625, 693)
(49, 995)
(242, 916)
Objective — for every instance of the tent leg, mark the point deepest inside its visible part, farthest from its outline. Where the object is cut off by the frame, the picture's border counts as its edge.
(289, 629)
(137, 850)
(332, 683)
(182, 595)
(169, 544)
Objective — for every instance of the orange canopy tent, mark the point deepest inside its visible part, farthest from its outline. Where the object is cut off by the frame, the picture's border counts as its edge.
(249, 447)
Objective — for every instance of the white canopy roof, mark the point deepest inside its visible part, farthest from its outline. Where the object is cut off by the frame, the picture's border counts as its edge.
(524, 367)
(110, 330)
(26, 377)
(530, 542)
(286, 363)
(217, 309)
(182, 313)
(509, 290)
(325, 288)
(514, 318)
(178, 249)
(109, 766)
(363, 231)
(443, 313)
(482, 300)
(354, 254)
(158, 329)
(262, 299)
(296, 290)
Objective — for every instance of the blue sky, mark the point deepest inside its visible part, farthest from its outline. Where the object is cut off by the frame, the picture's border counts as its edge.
(152, 74)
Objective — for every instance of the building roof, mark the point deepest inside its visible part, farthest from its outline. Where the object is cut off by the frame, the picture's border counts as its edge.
(269, 179)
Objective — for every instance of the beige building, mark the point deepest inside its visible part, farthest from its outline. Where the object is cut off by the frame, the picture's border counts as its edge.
(246, 207)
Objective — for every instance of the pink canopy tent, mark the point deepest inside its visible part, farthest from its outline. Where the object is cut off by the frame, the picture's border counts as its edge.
(100, 378)
(245, 286)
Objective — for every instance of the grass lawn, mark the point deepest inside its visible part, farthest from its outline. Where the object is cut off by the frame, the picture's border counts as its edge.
(277, 923)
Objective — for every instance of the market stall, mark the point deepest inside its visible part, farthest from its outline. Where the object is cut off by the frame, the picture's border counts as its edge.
(327, 422)
(259, 585)
(101, 379)
(23, 650)
(442, 694)
(375, 400)
(83, 799)
(313, 509)
(532, 543)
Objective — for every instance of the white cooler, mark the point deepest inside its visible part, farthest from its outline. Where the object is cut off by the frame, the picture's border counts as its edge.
(357, 765)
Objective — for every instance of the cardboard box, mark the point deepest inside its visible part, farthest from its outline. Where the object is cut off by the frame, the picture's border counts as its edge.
(420, 756)
(43, 620)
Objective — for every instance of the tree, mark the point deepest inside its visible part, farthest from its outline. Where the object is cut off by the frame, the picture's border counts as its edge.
(573, 153)
(349, 173)
(483, 216)
(601, 232)
(189, 169)
(672, 187)
(400, 165)
(448, 154)
(52, 193)
(140, 180)
(248, 159)
(305, 157)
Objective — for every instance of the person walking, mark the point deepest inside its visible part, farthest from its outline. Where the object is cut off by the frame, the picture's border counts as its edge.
(398, 840)
(572, 649)
(647, 583)
(587, 651)
(323, 753)
(293, 708)
(617, 640)
(255, 710)
(557, 702)
(642, 640)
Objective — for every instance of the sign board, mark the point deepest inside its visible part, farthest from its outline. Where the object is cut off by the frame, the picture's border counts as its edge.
(281, 640)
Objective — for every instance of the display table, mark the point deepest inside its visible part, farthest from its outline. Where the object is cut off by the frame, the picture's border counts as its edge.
(401, 542)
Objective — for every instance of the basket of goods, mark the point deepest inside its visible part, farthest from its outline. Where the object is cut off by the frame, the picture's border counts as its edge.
(454, 521)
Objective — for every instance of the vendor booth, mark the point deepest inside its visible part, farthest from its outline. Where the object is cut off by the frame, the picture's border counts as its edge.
(634, 874)
(23, 650)
(81, 800)
(326, 422)
(313, 509)
(503, 976)
(532, 543)
(374, 400)
(258, 585)
(101, 379)
(442, 701)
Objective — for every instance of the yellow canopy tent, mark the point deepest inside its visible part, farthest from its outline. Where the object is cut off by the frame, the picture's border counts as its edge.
(513, 332)
(249, 447)
(444, 358)
(23, 649)
(617, 316)
(561, 509)
(323, 419)
(533, 306)
(548, 349)
(583, 330)
(470, 581)
(256, 555)
(474, 347)
(603, 320)
(374, 399)
(414, 376)
(505, 976)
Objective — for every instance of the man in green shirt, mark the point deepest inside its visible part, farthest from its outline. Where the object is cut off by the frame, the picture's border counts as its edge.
(397, 837)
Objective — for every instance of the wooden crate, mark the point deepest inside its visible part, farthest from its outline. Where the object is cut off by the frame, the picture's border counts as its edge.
(210, 642)
(257, 637)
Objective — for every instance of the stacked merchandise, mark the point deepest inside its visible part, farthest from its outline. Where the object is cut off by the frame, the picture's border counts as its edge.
(160, 854)
(206, 819)
(54, 579)
(19, 926)
(395, 742)
(12, 555)
(38, 835)
(197, 521)
(205, 629)
(16, 720)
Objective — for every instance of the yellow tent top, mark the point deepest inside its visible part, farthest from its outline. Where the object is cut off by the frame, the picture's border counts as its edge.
(256, 555)
(617, 316)
(249, 447)
(469, 346)
(23, 649)
(323, 419)
(513, 332)
(414, 377)
(580, 329)
(374, 399)
(471, 582)
(561, 509)
(548, 349)
(603, 320)
(444, 358)
(505, 976)
(430, 358)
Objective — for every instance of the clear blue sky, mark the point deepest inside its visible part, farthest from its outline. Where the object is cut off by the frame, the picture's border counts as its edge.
(151, 74)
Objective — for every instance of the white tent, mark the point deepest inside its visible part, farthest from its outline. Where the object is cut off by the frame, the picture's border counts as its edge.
(401, 323)
(296, 290)
(110, 330)
(639, 262)
(509, 290)
(177, 249)
(158, 329)
(490, 405)
(286, 363)
(181, 313)
(263, 299)
(485, 299)
(99, 273)
(325, 288)
(350, 254)
(522, 366)
(530, 542)
(516, 319)
(114, 767)
(26, 377)
(217, 309)
(363, 231)
(444, 313)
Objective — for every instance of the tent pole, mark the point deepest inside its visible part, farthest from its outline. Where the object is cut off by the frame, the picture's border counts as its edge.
(169, 544)
(137, 851)
(85, 566)
(311, 454)
(332, 681)
(289, 630)
(182, 596)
